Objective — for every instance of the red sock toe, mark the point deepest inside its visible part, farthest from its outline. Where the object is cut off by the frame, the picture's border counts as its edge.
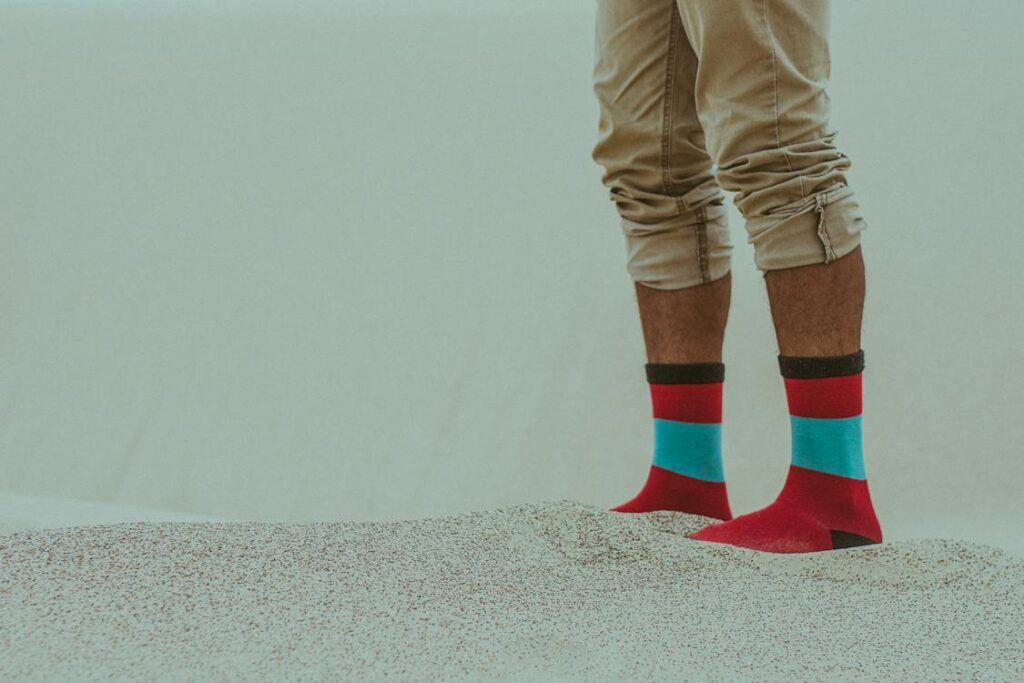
(666, 490)
(816, 511)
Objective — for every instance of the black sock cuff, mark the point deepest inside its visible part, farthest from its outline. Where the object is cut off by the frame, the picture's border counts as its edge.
(685, 373)
(811, 367)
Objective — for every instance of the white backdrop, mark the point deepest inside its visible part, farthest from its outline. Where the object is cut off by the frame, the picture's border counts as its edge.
(284, 262)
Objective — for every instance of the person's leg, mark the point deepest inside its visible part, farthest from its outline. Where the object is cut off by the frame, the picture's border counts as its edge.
(825, 502)
(678, 251)
(817, 309)
(683, 334)
(761, 99)
(685, 325)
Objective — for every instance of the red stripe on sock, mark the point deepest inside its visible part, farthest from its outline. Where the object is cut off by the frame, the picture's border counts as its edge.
(825, 397)
(666, 490)
(687, 402)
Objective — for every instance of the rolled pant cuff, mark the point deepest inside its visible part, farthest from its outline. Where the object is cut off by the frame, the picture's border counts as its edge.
(684, 251)
(825, 227)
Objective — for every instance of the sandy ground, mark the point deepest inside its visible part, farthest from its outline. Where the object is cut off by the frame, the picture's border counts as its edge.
(553, 591)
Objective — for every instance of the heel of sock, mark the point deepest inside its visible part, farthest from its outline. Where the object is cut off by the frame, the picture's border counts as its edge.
(841, 503)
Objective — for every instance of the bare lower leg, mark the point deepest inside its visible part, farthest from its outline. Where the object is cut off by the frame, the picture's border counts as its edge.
(685, 325)
(817, 310)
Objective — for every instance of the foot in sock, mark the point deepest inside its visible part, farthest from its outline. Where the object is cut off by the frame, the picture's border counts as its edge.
(824, 503)
(686, 474)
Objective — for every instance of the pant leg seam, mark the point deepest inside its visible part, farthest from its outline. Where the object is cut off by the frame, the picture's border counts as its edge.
(668, 111)
(775, 92)
(702, 244)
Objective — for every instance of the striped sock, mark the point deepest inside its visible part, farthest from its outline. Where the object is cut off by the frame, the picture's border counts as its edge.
(825, 503)
(686, 474)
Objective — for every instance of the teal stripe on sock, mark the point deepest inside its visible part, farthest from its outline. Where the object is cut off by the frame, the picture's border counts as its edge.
(689, 448)
(828, 445)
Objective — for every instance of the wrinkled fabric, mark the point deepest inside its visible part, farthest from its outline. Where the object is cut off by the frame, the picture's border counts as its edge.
(698, 97)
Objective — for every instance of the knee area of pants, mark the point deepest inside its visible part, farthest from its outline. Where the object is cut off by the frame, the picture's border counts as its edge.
(678, 281)
(803, 263)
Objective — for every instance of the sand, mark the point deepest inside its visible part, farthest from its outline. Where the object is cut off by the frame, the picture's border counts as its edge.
(551, 591)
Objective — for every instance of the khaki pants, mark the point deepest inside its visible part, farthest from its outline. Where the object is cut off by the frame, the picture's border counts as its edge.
(697, 96)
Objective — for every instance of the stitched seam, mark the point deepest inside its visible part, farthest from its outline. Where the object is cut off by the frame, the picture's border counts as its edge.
(666, 124)
(775, 90)
(702, 244)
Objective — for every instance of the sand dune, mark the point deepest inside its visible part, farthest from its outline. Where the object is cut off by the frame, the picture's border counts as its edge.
(547, 591)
